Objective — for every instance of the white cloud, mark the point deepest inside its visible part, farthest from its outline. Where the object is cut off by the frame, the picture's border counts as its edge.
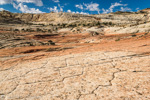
(79, 6)
(113, 5)
(56, 1)
(84, 13)
(92, 7)
(1, 9)
(15, 5)
(105, 11)
(125, 9)
(19, 5)
(69, 11)
(89, 6)
(2, 2)
(60, 7)
(55, 9)
(26, 9)
(36, 2)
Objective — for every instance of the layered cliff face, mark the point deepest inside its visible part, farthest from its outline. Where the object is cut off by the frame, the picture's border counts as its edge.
(46, 18)
(43, 58)
(55, 18)
(126, 22)
(125, 19)
(147, 10)
(8, 17)
(117, 18)
(118, 22)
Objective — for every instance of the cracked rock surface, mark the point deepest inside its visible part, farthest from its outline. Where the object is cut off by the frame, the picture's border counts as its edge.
(87, 76)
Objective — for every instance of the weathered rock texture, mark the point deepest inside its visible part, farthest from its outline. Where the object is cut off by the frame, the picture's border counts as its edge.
(11, 40)
(92, 74)
(88, 76)
(118, 22)
(8, 17)
(46, 18)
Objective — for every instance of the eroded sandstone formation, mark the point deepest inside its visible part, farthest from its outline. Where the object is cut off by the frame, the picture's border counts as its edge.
(87, 76)
(64, 56)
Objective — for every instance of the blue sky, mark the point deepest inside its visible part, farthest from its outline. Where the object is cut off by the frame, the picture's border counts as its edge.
(73, 6)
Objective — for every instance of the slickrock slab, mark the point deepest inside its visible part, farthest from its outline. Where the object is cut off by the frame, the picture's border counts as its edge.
(87, 76)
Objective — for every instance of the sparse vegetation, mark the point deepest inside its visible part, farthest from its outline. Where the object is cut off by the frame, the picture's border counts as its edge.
(75, 56)
(57, 49)
(133, 35)
(108, 23)
(146, 34)
(51, 42)
(16, 29)
(38, 30)
(117, 39)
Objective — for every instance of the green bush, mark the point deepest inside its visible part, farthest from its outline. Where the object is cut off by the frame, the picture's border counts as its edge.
(117, 39)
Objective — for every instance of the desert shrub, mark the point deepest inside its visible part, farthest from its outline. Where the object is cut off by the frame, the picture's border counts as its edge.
(117, 39)
(146, 34)
(134, 35)
(83, 24)
(16, 29)
(29, 30)
(38, 29)
(72, 25)
(52, 49)
(49, 30)
(108, 23)
(23, 29)
(98, 23)
(51, 42)
(63, 25)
